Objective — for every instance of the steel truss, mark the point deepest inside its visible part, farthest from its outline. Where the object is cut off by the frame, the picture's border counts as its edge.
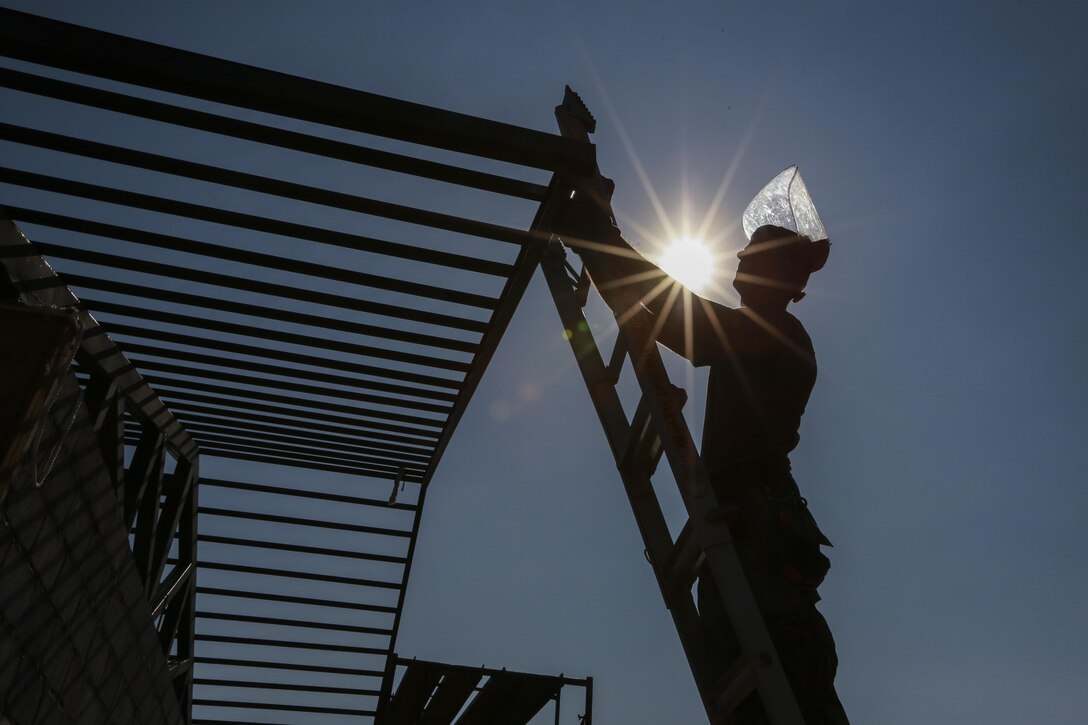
(211, 276)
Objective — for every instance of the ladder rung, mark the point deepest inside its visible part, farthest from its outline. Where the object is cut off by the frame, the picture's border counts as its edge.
(640, 436)
(731, 688)
(683, 562)
(615, 362)
(582, 288)
(643, 444)
(643, 447)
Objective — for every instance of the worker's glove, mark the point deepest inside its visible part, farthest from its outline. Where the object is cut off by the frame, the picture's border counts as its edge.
(585, 219)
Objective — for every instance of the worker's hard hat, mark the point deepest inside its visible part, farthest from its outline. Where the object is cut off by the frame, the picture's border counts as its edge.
(785, 202)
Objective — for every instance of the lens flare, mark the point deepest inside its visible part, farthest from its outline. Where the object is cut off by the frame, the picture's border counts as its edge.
(689, 261)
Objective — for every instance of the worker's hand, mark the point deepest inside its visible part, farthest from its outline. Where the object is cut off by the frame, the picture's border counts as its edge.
(585, 219)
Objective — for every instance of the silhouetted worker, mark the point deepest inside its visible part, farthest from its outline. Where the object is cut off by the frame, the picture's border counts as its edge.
(762, 370)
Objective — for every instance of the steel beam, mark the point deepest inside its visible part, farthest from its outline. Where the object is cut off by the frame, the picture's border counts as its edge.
(286, 686)
(300, 549)
(309, 403)
(525, 267)
(364, 442)
(313, 376)
(226, 435)
(106, 55)
(299, 521)
(295, 387)
(178, 338)
(287, 666)
(321, 272)
(278, 314)
(424, 436)
(284, 190)
(305, 624)
(290, 644)
(310, 601)
(252, 222)
(301, 493)
(270, 135)
(285, 708)
(289, 461)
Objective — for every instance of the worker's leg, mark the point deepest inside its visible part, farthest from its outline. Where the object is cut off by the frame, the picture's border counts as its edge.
(803, 642)
(807, 650)
(799, 632)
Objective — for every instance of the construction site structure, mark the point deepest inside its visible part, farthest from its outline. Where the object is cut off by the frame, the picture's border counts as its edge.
(191, 290)
(196, 523)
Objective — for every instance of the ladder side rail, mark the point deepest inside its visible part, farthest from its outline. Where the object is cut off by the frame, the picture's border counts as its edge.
(704, 512)
(637, 485)
(706, 526)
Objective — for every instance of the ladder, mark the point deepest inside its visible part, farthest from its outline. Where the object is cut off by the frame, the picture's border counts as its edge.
(658, 429)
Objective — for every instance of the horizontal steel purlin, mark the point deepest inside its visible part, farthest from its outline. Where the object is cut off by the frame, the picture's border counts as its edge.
(107, 55)
(280, 355)
(293, 373)
(162, 382)
(361, 466)
(294, 387)
(225, 434)
(389, 466)
(218, 682)
(299, 521)
(262, 311)
(290, 644)
(251, 222)
(270, 135)
(385, 475)
(246, 418)
(288, 573)
(303, 623)
(361, 442)
(264, 333)
(249, 405)
(299, 548)
(287, 666)
(287, 599)
(301, 493)
(303, 268)
(286, 708)
(285, 190)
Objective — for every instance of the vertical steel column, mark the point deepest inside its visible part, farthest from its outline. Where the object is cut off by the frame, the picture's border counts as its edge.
(588, 718)
(187, 542)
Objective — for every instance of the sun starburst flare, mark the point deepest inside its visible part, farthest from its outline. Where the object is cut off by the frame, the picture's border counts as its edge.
(690, 262)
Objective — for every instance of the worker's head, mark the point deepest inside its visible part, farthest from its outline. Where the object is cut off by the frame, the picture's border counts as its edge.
(775, 266)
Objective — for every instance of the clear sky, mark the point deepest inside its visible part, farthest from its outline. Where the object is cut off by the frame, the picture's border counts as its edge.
(943, 449)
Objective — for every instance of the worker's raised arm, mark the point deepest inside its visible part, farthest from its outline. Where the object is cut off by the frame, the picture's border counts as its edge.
(625, 279)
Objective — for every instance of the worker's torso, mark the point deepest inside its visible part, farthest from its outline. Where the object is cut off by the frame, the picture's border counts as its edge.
(759, 387)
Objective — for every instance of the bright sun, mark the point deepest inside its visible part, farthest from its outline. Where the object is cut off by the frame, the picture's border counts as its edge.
(689, 261)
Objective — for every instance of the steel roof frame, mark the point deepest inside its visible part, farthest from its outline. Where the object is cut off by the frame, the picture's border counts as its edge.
(389, 418)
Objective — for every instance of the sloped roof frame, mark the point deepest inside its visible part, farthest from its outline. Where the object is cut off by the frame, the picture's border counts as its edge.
(402, 440)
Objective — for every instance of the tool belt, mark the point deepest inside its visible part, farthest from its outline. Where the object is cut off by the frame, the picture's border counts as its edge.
(770, 505)
(803, 562)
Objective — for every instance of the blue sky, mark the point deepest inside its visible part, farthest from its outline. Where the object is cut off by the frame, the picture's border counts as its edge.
(942, 450)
